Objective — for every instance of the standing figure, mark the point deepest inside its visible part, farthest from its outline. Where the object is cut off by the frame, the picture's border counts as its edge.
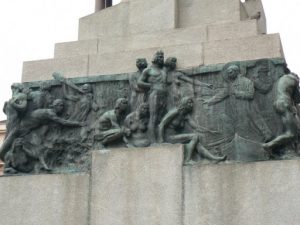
(154, 79)
(172, 126)
(137, 123)
(108, 127)
(286, 99)
(138, 95)
(240, 92)
(40, 99)
(181, 85)
(84, 98)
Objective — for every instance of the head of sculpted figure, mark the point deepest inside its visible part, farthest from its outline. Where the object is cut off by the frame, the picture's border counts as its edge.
(158, 58)
(58, 106)
(171, 63)
(141, 64)
(232, 72)
(144, 110)
(186, 104)
(121, 104)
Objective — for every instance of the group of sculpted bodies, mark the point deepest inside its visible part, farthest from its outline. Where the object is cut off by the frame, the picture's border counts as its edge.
(160, 112)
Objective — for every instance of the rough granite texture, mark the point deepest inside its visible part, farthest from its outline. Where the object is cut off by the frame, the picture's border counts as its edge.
(261, 193)
(137, 186)
(44, 199)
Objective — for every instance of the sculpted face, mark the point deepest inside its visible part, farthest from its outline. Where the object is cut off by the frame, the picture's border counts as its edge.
(122, 104)
(232, 72)
(144, 110)
(58, 106)
(171, 63)
(190, 104)
(86, 88)
(141, 64)
(159, 58)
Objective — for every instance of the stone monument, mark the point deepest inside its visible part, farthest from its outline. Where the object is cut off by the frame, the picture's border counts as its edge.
(172, 112)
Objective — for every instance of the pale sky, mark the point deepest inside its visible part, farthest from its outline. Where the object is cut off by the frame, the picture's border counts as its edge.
(30, 28)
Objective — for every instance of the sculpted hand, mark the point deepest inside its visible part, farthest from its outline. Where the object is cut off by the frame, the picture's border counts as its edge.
(126, 131)
(58, 76)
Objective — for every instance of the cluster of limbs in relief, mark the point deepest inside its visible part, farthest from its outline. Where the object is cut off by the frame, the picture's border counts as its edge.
(56, 126)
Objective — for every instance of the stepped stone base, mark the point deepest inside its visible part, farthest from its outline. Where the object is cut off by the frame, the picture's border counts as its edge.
(165, 38)
(150, 186)
(189, 55)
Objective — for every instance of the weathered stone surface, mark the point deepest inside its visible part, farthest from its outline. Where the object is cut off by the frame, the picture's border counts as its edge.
(252, 8)
(43, 69)
(75, 48)
(137, 186)
(249, 194)
(148, 16)
(44, 199)
(123, 62)
(256, 47)
(111, 21)
(195, 12)
(232, 30)
(160, 39)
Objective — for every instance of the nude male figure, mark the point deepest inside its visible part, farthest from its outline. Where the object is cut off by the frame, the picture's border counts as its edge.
(154, 79)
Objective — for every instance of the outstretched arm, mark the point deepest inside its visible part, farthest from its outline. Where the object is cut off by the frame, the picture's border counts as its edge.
(220, 96)
(64, 122)
(67, 83)
(185, 78)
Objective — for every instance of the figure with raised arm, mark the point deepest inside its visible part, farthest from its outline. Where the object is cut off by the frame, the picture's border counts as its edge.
(37, 119)
(83, 98)
(181, 84)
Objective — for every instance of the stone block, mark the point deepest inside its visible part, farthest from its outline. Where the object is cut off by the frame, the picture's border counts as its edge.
(149, 16)
(112, 21)
(233, 30)
(137, 186)
(124, 62)
(159, 39)
(252, 7)
(43, 69)
(195, 12)
(250, 48)
(262, 193)
(75, 48)
(44, 199)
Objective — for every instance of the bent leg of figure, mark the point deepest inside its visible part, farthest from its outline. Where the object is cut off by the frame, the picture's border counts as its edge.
(189, 149)
(43, 163)
(7, 144)
(153, 116)
(291, 130)
(206, 154)
(112, 135)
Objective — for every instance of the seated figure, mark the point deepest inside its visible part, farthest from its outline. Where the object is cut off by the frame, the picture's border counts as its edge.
(108, 127)
(137, 123)
(172, 126)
